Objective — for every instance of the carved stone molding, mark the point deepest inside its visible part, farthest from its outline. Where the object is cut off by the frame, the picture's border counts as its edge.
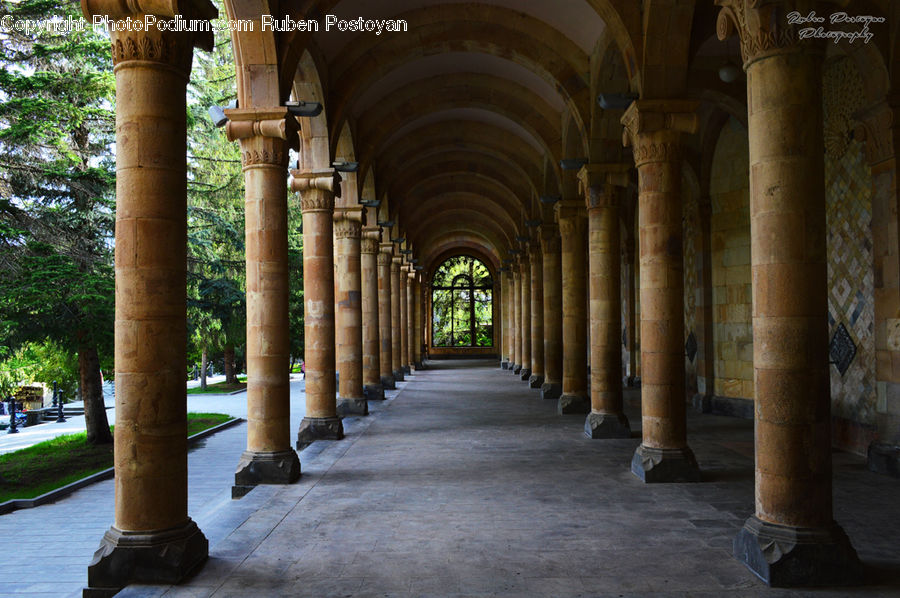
(317, 189)
(346, 228)
(368, 245)
(653, 128)
(569, 215)
(764, 26)
(384, 258)
(597, 183)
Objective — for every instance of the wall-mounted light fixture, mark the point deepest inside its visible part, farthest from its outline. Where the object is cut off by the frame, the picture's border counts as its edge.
(398, 240)
(217, 113)
(615, 101)
(533, 223)
(729, 72)
(522, 238)
(386, 223)
(307, 109)
(572, 163)
(345, 166)
(550, 199)
(370, 203)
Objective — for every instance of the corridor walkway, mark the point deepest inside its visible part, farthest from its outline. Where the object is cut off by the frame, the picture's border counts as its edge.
(468, 484)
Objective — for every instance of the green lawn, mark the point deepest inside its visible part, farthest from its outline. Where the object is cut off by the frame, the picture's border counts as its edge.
(62, 460)
(219, 388)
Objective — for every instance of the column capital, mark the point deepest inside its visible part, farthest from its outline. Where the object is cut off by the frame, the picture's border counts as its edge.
(262, 133)
(550, 239)
(596, 182)
(653, 128)
(317, 189)
(567, 209)
(769, 27)
(346, 225)
(875, 128)
(369, 240)
(153, 44)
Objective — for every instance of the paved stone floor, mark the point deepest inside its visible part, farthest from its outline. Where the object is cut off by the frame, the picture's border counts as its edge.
(468, 484)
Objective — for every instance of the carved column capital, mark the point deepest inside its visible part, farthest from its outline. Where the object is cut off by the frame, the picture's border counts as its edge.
(597, 182)
(550, 239)
(317, 189)
(568, 214)
(137, 37)
(262, 133)
(875, 129)
(369, 241)
(653, 128)
(768, 27)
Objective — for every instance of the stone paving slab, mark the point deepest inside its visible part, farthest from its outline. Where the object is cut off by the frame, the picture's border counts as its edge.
(468, 484)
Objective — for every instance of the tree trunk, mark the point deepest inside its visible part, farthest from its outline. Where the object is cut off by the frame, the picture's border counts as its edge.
(92, 394)
(204, 362)
(230, 377)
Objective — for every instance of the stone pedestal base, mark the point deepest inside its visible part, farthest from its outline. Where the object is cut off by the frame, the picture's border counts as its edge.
(254, 468)
(398, 375)
(655, 465)
(354, 406)
(504, 365)
(551, 391)
(784, 556)
(569, 404)
(536, 381)
(406, 370)
(373, 392)
(387, 383)
(516, 369)
(884, 458)
(606, 425)
(163, 557)
(319, 428)
(420, 365)
(525, 374)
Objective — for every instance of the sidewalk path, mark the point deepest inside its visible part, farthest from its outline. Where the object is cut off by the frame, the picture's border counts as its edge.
(46, 550)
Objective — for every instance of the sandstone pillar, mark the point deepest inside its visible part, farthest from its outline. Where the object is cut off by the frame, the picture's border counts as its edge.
(373, 390)
(504, 343)
(525, 299)
(792, 540)
(509, 316)
(517, 318)
(385, 326)
(573, 231)
(269, 458)
(317, 192)
(654, 129)
(537, 316)
(152, 538)
(631, 345)
(419, 326)
(607, 418)
(405, 320)
(347, 235)
(551, 250)
(396, 321)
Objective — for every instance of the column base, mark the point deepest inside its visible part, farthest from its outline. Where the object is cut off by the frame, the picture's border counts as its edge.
(373, 392)
(654, 465)
(516, 369)
(569, 404)
(536, 381)
(786, 556)
(354, 406)
(525, 374)
(884, 458)
(606, 425)
(398, 375)
(406, 370)
(420, 365)
(551, 391)
(162, 557)
(260, 467)
(504, 365)
(319, 428)
(387, 383)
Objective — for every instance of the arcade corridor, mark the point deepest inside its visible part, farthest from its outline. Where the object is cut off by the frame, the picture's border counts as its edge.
(465, 485)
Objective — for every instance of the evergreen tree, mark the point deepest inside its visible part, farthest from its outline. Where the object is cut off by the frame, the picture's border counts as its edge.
(57, 193)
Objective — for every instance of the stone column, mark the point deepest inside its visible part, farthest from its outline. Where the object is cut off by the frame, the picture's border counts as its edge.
(406, 319)
(269, 458)
(792, 540)
(317, 192)
(537, 316)
(396, 321)
(347, 234)
(509, 316)
(551, 250)
(654, 129)
(631, 313)
(525, 299)
(607, 418)
(385, 326)
(573, 231)
(517, 318)
(504, 346)
(411, 318)
(419, 327)
(152, 539)
(373, 390)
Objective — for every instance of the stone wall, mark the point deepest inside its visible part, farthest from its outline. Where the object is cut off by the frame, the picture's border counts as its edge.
(730, 259)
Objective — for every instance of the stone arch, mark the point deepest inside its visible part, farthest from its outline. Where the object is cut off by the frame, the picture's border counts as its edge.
(315, 151)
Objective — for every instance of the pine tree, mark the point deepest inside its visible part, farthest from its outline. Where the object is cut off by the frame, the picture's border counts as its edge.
(57, 193)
